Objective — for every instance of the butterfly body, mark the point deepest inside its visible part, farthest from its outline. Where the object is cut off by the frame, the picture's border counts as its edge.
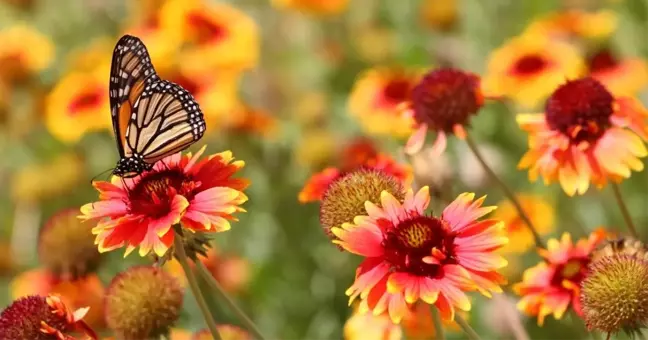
(152, 118)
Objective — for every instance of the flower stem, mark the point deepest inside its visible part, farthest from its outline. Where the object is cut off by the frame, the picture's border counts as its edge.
(216, 287)
(438, 325)
(193, 284)
(507, 191)
(624, 210)
(472, 335)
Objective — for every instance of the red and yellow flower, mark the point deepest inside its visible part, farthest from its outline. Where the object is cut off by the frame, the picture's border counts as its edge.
(323, 7)
(359, 154)
(24, 51)
(201, 195)
(576, 23)
(553, 285)
(78, 104)
(621, 76)
(586, 135)
(219, 35)
(539, 211)
(529, 67)
(376, 100)
(411, 256)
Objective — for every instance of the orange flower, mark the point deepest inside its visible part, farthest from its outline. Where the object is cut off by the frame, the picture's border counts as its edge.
(552, 286)
(78, 104)
(376, 100)
(359, 154)
(255, 121)
(219, 35)
(324, 7)
(621, 76)
(576, 23)
(199, 194)
(79, 293)
(586, 135)
(24, 51)
(539, 211)
(529, 67)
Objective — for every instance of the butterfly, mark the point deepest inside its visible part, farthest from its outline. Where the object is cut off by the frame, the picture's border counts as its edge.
(151, 117)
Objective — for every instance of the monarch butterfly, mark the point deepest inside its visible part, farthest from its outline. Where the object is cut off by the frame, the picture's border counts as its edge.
(151, 117)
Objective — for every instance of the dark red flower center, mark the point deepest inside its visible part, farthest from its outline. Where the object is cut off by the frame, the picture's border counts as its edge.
(580, 109)
(529, 64)
(602, 61)
(206, 30)
(397, 90)
(23, 318)
(573, 270)
(89, 98)
(446, 97)
(153, 194)
(413, 240)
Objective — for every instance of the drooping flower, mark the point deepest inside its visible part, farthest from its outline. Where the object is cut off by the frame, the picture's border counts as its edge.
(42, 318)
(227, 332)
(443, 102)
(143, 303)
(529, 67)
(24, 52)
(411, 256)
(552, 286)
(359, 154)
(575, 23)
(585, 135)
(78, 104)
(87, 291)
(625, 76)
(218, 35)
(539, 211)
(201, 195)
(376, 100)
(321, 7)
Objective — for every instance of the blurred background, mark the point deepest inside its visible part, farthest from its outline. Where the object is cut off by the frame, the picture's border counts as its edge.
(283, 85)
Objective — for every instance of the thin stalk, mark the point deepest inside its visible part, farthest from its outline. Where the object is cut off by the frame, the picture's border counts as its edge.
(193, 284)
(507, 191)
(472, 335)
(218, 289)
(438, 325)
(624, 210)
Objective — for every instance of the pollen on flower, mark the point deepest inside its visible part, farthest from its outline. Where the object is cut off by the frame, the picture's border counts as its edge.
(345, 198)
(446, 97)
(580, 109)
(27, 317)
(614, 295)
(143, 302)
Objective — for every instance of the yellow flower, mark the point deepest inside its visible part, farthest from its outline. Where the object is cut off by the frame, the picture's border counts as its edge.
(530, 67)
(220, 36)
(323, 7)
(78, 104)
(538, 210)
(88, 57)
(374, 43)
(439, 14)
(625, 76)
(576, 23)
(377, 99)
(23, 51)
(316, 148)
(47, 180)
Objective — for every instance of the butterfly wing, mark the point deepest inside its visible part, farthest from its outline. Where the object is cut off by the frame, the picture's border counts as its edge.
(131, 71)
(167, 120)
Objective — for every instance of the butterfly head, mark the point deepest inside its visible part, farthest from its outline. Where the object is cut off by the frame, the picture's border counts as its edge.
(129, 167)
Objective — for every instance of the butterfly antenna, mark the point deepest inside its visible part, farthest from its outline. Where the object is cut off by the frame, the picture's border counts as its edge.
(101, 173)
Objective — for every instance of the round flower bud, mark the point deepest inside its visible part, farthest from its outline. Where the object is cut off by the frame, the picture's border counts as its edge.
(66, 246)
(614, 294)
(143, 303)
(345, 198)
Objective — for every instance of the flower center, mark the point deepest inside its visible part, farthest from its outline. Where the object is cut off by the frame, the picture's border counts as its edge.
(88, 99)
(602, 61)
(529, 64)
(574, 270)
(397, 91)
(419, 245)
(581, 110)
(206, 30)
(446, 97)
(153, 194)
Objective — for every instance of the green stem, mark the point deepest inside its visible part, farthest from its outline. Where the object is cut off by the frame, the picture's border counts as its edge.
(438, 325)
(218, 289)
(624, 210)
(507, 191)
(193, 284)
(472, 335)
